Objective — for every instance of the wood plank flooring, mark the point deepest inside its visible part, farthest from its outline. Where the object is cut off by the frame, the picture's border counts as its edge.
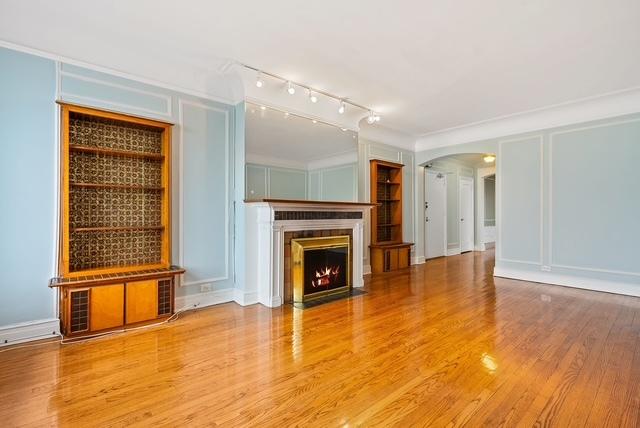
(439, 344)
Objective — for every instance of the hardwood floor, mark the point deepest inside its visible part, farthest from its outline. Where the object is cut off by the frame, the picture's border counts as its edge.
(440, 344)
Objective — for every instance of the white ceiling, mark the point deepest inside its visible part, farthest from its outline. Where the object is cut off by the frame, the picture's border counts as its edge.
(276, 139)
(424, 65)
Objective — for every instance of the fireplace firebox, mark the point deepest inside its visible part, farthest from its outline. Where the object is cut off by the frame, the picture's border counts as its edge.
(321, 267)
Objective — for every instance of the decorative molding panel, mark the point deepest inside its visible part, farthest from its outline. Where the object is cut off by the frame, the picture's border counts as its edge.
(225, 275)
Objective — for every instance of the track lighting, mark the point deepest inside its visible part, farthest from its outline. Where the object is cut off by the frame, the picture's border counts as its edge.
(314, 121)
(341, 108)
(290, 88)
(312, 97)
(259, 82)
(371, 119)
(263, 108)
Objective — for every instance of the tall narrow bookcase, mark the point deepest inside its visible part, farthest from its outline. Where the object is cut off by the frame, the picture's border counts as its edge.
(388, 251)
(114, 267)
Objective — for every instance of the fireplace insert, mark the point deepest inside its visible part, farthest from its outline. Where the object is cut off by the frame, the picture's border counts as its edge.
(321, 266)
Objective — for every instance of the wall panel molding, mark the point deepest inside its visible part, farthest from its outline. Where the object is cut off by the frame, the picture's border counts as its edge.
(181, 241)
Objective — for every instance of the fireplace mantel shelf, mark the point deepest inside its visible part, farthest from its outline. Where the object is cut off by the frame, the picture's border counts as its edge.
(309, 202)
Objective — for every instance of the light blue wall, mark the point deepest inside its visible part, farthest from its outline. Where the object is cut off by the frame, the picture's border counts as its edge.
(204, 160)
(263, 181)
(337, 183)
(567, 205)
(27, 186)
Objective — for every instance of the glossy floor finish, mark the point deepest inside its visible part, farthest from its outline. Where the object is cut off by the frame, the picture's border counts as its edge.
(438, 344)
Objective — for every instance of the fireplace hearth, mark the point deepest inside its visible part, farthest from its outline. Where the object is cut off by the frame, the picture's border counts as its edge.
(321, 267)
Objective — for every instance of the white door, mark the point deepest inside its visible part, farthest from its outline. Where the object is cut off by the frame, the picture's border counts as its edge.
(436, 214)
(466, 214)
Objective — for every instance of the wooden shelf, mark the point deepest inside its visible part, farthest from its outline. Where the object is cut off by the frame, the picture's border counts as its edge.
(388, 200)
(113, 152)
(115, 229)
(390, 183)
(390, 225)
(116, 186)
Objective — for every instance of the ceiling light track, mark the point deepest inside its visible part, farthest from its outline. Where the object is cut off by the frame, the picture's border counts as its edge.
(313, 92)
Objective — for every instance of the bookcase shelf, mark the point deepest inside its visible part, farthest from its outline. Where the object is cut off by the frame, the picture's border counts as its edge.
(115, 221)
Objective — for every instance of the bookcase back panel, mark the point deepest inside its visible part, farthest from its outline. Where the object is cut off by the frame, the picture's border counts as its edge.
(92, 131)
(110, 169)
(119, 248)
(114, 207)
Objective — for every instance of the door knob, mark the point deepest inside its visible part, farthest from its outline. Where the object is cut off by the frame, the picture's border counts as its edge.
(461, 219)
(427, 219)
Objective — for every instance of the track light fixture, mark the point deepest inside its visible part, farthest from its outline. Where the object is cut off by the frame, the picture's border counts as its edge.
(313, 92)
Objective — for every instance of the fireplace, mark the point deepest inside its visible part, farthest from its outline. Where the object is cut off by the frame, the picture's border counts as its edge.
(321, 267)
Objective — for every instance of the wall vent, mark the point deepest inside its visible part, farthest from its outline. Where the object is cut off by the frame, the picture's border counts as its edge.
(79, 311)
(164, 296)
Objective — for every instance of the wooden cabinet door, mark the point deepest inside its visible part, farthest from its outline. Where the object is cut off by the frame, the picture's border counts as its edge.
(391, 259)
(106, 307)
(403, 257)
(142, 301)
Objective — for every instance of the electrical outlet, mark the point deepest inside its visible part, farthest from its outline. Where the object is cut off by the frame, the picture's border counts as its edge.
(545, 268)
(205, 288)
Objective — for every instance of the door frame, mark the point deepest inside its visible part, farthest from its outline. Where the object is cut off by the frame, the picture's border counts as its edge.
(471, 181)
(481, 174)
(445, 242)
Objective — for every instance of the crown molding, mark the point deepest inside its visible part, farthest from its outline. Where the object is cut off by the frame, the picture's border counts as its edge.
(598, 107)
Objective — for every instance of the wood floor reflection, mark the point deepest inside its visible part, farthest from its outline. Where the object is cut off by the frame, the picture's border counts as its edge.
(438, 344)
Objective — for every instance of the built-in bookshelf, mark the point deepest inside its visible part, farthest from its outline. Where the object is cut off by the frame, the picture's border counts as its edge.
(115, 220)
(388, 251)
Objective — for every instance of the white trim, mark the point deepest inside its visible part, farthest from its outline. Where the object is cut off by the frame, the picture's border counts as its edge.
(166, 98)
(200, 300)
(113, 72)
(625, 288)
(550, 249)
(181, 103)
(56, 190)
(245, 299)
(28, 331)
(453, 251)
(417, 260)
(603, 106)
(366, 269)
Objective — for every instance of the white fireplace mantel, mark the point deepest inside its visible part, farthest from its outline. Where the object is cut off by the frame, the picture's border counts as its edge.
(265, 240)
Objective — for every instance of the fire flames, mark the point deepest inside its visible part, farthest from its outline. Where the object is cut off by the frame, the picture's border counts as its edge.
(325, 276)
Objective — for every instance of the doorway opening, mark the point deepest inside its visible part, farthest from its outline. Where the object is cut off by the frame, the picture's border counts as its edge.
(459, 204)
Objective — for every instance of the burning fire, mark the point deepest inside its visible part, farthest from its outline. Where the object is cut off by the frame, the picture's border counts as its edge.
(325, 276)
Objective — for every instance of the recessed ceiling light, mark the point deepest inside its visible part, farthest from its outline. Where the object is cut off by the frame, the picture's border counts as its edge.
(290, 88)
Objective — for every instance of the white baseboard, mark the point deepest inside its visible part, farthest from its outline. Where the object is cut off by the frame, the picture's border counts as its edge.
(627, 289)
(366, 270)
(417, 260)
(479, 247)
(28, 331)
(453, 251)
(201, 300)
(245, 299)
